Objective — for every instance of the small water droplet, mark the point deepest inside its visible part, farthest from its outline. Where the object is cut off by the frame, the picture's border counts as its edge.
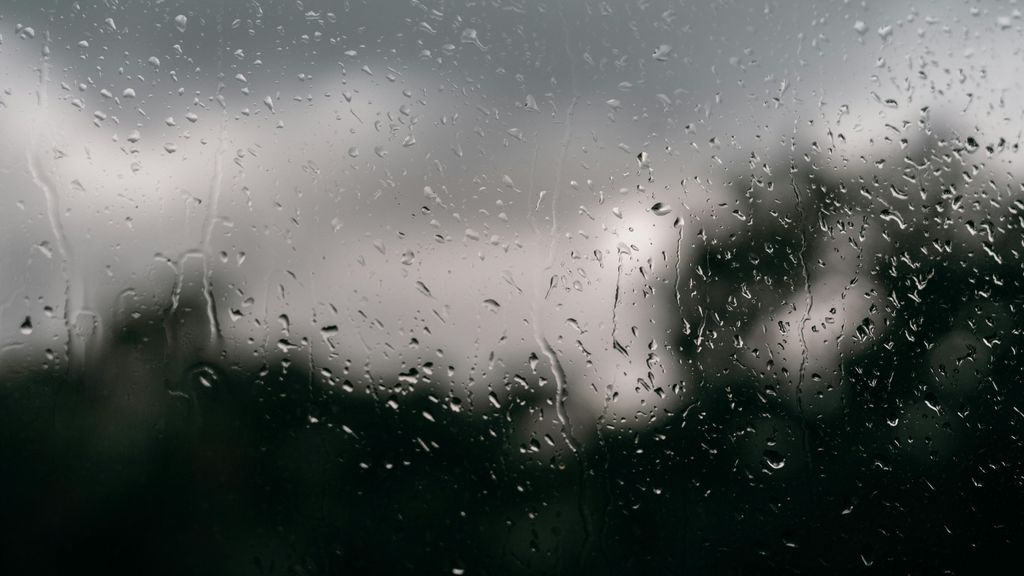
(774, 460)
(661, 54)
(469, 36)
(660, 209)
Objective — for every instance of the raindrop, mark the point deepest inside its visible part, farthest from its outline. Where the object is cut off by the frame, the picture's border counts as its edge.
(661, 54)
(469, 36)
(774, 460)
(660, 209)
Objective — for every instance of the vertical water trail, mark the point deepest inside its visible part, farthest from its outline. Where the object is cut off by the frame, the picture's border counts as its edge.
(43, 179)
(808, 457)
(210, 219)
(542, 342)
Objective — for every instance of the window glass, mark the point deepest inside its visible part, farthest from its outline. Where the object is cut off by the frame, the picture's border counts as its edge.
(511, 287)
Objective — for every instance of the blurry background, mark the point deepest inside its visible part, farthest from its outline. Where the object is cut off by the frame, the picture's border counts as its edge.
(510, 287)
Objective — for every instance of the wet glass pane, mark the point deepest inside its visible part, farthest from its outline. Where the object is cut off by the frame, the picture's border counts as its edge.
(511, 287)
